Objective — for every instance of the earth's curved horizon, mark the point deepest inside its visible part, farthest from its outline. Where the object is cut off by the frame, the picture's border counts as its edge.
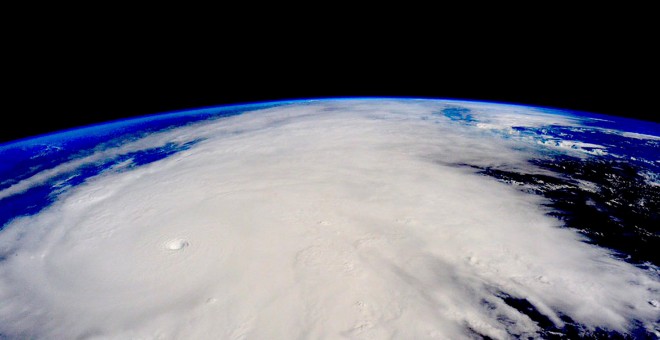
(148, 115)
(334, 217)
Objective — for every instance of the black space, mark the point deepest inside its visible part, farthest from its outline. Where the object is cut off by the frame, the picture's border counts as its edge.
(58, 83)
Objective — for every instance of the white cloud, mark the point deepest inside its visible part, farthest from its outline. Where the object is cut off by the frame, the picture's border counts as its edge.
(320, 219)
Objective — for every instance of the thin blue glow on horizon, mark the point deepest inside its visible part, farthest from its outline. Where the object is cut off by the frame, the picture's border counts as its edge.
(210, 109)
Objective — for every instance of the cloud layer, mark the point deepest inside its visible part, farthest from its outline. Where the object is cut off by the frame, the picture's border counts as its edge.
(316, 220)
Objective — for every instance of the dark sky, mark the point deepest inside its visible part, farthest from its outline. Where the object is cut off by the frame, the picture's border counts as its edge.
(59, 85)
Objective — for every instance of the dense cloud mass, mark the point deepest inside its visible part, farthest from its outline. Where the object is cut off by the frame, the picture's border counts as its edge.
(313, 220)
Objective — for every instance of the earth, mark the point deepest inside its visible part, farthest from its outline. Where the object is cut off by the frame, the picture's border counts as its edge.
(355, 218)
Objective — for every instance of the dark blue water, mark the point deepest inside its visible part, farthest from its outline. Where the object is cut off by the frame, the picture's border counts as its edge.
(25, 158)
(459, 114)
